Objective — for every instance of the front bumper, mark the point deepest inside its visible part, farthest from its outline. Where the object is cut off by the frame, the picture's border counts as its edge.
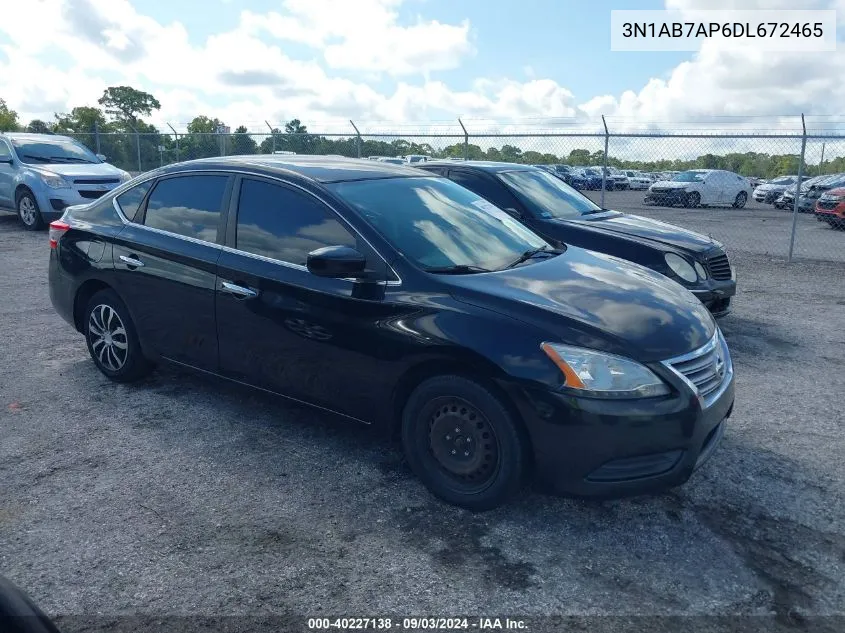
(836, 214)
(766, 197)
(716, 295)
(666, 198)
(53, 202)
(605, 448)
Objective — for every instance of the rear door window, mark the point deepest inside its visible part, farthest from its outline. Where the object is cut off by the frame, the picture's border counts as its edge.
(187, 205)
(130, 200)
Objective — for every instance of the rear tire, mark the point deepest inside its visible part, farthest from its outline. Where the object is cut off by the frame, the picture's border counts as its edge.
(740, 200)
(112, 339)
(463, 443)
(28, 212)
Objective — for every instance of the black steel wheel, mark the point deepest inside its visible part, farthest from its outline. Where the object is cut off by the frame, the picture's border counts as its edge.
(463, 443)
(740, 200)
(692, 200)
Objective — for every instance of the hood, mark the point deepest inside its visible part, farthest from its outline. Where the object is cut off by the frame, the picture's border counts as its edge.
(78, 170)
(596, 301)
(670, 184)
(648, 229)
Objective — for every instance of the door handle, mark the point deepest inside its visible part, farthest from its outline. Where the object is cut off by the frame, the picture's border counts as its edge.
(132, 261)
(238, 291)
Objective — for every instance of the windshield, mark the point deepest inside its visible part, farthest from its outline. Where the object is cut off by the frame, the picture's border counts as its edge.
(783, 180)
(546, 196)
(689, 176)
(45, 151)
(436, 223)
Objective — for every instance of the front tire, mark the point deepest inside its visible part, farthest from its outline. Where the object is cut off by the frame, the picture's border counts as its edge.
(740, 200)
(28, 212)
(463, 443)
(112, 339)
(692, 200)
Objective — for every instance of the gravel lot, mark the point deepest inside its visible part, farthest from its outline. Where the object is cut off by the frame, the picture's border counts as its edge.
(183, 495)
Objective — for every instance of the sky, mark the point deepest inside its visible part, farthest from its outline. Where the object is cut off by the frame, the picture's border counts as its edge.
(393, 63)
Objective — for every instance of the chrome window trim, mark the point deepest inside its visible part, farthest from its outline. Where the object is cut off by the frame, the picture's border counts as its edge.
(115, 193)
(716, 340)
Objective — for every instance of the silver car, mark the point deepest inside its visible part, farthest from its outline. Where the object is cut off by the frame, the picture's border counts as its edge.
(43, 174)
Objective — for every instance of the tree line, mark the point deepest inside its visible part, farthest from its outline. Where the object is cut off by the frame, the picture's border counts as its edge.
(115, 128)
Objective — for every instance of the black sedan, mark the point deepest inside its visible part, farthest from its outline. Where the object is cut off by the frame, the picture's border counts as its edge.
(558, 212)
(392, 297)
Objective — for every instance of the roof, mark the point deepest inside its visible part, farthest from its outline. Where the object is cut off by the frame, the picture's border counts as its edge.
(323, 169)
(486, 165)
(31, 136)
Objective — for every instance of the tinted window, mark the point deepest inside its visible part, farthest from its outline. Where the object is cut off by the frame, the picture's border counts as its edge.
(690, 176)
(285, 224)
(130, 200)
(434, 222)
(187, 205)
(546, 196)
(484, 186)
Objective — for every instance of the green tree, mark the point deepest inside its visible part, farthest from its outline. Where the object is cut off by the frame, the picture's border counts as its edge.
(242, 142)
(37, 126)
(8, 118)
(81, 119)
(294, 126)
(126, 104)
(579, 157)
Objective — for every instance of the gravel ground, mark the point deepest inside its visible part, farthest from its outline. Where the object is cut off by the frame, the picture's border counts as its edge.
(182, 495)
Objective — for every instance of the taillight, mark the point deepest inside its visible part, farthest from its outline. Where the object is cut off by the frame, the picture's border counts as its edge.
(57, 229)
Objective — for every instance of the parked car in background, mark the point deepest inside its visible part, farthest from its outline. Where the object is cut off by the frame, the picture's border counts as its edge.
(489, 351)
(558, 212)
(754, 181)
(43, 174)
(637, 180)
(700, 187)
(771, 190)
(620, 180)
(830, 207)
(415, 158)
(592, 178)
(787, 198)
(810, 195)
(391, 159)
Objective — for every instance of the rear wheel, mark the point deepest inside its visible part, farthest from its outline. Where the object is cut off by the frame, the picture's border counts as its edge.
(692, 200)
(463, 443)
(112, 339)
(740, 200)
(28, 212)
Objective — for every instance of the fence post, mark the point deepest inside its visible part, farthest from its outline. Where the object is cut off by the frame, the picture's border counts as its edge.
(466, 139)
(604, 167)
(798, 186)
(176, 136)
(272, 135)
(358, 139)
(97, 136)
(821, 162)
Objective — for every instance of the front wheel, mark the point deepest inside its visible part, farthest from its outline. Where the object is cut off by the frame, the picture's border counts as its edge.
(112, 339)
(28, 212)
(692, 200)
(740, 200)
(463, 443)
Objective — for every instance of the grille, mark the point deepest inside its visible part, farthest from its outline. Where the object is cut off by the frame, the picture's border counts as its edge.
(719, 267)
(827, 204)
(96, 181)
(707, 368)
(92, 195)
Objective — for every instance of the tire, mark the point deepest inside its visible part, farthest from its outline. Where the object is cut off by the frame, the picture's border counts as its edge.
(112, 339)
(740, 200)
(28, 212)
(446, 414)
(692, 200)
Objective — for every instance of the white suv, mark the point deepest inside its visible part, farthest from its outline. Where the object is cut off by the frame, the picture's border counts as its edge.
(701, 187)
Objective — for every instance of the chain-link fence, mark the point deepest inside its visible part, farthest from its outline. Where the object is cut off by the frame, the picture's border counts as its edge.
(730, 211)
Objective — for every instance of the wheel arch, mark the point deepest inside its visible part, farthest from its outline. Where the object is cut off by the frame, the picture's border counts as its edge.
(83, 295)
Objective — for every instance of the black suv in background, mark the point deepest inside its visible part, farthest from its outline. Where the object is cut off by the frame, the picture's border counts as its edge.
(390, 296)
(557, 212)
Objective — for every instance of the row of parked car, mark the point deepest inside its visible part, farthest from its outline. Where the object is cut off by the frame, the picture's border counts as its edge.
(590, 178)
(822, 195)
(486, 313)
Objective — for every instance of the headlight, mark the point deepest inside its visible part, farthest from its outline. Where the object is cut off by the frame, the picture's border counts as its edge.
(699, 269)
(125, 176)
(681, 267)
(601, 375)
(54, 181)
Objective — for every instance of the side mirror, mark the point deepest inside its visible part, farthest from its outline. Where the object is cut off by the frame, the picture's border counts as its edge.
(336, 262)
(102, 157)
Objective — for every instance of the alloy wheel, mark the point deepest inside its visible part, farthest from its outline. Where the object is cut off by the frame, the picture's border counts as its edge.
(108, 337)
(27, 211)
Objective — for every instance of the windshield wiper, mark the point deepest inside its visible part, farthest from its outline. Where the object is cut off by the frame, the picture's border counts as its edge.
(41, 158)
(529, 254)
(72, 158)
(457, 269)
